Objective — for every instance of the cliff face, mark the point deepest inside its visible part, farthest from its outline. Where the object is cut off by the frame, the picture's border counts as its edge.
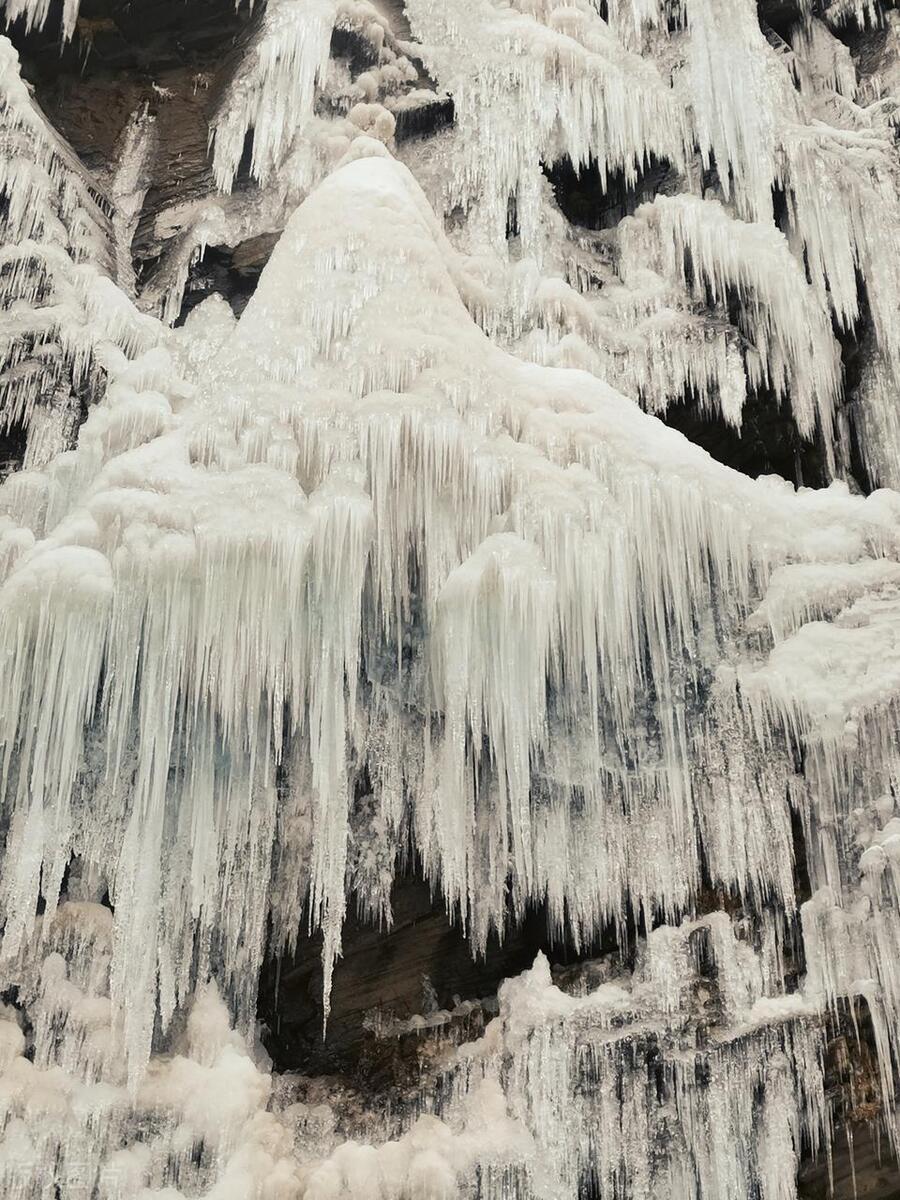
(426, 773)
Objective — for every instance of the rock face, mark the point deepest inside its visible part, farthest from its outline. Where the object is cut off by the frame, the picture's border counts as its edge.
(860, 1168)
(421, 964)
(425, 772)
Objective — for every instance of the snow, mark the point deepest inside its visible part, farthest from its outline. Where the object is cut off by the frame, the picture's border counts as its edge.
(401, 565)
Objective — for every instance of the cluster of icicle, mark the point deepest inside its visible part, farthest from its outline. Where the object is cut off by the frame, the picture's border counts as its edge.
(395, 562)
(62, 315)
(556, 1095)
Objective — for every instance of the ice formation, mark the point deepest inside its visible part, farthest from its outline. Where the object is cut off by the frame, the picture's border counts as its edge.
(403, 564)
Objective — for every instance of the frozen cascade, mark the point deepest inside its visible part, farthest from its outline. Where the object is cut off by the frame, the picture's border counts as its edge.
(402, 567)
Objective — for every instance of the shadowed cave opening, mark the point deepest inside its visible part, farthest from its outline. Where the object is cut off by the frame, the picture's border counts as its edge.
(424, 959)
(589, 200)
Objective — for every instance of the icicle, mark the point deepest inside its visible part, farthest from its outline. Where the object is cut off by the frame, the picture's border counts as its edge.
(347, 580)
(735, 88)
(530, 82)
(785, 321)
(274, 87)
(127, 188)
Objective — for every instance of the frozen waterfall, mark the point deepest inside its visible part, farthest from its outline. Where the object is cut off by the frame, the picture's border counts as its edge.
(409, 568)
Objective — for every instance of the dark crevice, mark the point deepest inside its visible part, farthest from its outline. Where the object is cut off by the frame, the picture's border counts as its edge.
(588, 199)
(857, 348)
(226, 272)
(512, 218)
(13, 444)
(384, 970)
(425, 119)
(768, 442)
(113, 36)
(780, 15)
(357, 51)
(802, 883)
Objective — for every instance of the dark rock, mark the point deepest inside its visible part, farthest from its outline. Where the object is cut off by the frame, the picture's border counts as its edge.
(383, 970)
